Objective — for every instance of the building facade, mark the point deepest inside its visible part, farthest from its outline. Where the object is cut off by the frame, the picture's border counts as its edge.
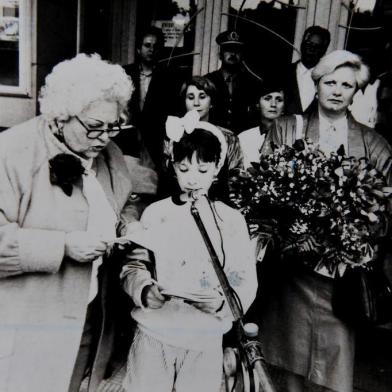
(37, 34)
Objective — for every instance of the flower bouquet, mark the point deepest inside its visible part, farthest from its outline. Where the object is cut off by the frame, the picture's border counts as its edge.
(322, 210)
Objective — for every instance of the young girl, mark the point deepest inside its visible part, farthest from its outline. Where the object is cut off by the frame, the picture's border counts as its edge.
(180, 311)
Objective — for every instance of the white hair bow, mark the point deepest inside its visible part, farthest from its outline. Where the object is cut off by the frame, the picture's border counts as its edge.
(175, 126)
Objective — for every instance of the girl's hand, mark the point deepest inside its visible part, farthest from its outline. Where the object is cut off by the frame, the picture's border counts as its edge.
(152, 298)
(130, 228)
(84, 247)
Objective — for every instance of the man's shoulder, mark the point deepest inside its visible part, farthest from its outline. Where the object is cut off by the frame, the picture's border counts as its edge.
(290, 74)
(131, 69)
(214, 75)
(294, 65)
(244, 73)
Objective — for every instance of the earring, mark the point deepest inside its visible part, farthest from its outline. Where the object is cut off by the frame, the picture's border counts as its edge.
(215, 179)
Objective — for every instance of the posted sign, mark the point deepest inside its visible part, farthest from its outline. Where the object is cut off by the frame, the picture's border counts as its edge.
(172, 33)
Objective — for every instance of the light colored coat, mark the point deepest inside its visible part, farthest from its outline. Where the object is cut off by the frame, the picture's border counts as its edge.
(44, 296)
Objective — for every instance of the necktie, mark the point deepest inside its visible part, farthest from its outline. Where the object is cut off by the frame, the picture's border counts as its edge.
(229, 83)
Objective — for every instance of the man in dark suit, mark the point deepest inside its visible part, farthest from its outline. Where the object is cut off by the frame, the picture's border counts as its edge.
(155, 91)
(299, 87)
(235, 85)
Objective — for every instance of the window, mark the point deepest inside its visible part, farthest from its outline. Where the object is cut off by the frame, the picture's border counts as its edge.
(268, 28)
(368, 31)
(177, 21)
(15, 43)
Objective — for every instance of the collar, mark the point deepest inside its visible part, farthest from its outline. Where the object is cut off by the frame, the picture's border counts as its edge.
(302, 69)
(263, 130)
(325, 123)
(145, 73)
(227, 76)
(176, 200)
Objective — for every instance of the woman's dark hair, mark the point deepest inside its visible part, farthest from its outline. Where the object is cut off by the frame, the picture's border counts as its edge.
(204, 143)
(268, 86)
(201, 83)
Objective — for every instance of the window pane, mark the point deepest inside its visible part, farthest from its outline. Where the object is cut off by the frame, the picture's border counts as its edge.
(9, 42)
(265, 52)
(172, 17)
(367, 32)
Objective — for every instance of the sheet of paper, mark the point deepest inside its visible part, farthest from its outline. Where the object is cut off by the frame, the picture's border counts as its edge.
(194, 297)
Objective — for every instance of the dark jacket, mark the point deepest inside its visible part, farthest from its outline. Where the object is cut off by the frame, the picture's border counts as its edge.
(159, 102)
(292, 96)
(234, 112)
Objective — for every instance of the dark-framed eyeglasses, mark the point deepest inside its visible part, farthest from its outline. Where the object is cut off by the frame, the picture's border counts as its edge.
(112, 130)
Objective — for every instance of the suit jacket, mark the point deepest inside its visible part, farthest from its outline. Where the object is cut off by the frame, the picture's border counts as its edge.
(292, 96)
(159, 102)
(362, 140)
(234, 112)
(44, 295)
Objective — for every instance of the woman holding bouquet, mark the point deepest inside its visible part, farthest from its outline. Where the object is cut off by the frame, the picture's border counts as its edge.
(301, 333)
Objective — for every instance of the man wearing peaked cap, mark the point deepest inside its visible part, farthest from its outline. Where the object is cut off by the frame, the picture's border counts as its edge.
(229, 37)
(234, 84)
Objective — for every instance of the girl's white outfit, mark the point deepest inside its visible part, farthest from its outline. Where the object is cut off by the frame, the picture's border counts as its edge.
(178, 332)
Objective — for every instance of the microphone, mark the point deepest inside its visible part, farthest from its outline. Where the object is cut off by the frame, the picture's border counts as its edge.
(195, 194)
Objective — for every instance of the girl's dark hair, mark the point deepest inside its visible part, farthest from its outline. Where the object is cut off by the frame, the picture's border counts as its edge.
(204, 143)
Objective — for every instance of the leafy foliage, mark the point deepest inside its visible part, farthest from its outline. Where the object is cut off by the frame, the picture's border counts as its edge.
(321, 210)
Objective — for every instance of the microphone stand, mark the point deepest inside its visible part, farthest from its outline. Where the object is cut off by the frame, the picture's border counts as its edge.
(250, 350)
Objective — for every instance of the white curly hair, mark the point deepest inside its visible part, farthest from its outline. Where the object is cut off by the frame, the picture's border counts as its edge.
(76, 83)
(342, 58)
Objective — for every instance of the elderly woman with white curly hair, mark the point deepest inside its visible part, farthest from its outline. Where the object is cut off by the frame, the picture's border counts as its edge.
(301, 334)
(65, 194)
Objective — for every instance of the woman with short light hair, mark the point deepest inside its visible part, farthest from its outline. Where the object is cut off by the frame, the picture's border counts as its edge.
(300, 332)
(338, 59)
